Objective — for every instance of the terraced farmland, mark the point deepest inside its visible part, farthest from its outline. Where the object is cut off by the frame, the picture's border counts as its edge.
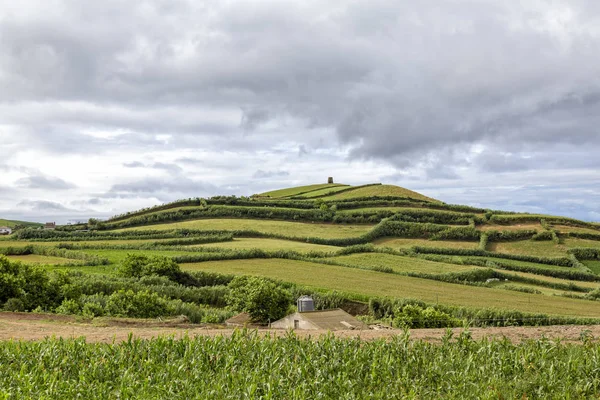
(365, 243)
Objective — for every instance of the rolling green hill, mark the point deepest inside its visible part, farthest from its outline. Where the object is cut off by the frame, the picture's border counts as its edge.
(12, 224)
(371, 243)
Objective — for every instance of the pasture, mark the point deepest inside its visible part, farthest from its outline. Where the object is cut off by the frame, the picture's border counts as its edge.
(269, 244)
(379, 190)
(370, 283)
(287, 228)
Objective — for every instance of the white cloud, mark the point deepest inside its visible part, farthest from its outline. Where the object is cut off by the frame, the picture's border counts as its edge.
(463, 100)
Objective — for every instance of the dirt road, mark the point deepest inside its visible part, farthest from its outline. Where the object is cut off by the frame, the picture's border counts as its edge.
(27, 326)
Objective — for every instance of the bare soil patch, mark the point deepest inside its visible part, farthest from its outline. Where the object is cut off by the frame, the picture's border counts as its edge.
(27, 326)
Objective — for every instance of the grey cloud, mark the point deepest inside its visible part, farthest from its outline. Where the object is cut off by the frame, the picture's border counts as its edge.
(169, 167)
(44, 182)
(173, 168)
(508, 87)
(159, 185)
(134, 164)
(441, 172)
(260, 174)
(329, 67)
(253, 118)
(43, 205)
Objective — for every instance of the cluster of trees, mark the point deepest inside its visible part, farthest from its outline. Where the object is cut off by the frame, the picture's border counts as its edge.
(146, 287)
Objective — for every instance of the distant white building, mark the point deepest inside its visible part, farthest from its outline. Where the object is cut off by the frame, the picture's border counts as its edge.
(5, 230)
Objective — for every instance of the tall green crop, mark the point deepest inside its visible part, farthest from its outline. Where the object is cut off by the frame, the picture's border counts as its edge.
(247, 366)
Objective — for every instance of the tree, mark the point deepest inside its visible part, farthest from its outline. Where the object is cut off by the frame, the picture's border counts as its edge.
(137, 265)
(261, 298)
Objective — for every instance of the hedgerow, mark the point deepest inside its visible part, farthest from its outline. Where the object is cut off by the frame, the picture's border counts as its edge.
(585, 253)
(81, 257)
(558, 261)
(388, 309)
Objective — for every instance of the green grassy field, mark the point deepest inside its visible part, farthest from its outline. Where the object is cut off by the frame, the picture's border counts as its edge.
(395, 209)
(370, 283)
(397, 243)
(12, 224)
(36, 259)
(400, 264)
(518, 263)
(591, 285)
(174, 209)
(594, 265)
(299, 189)
(568, 228)
(536, 248)
(269, 244)
(545, 291)
(116, 256)
(323, 192)
(542, 248)
(25, 243)
(296, 229)
(516, 227)
(379, 190)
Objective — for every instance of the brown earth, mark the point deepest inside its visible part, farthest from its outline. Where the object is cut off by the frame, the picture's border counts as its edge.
(27, 326)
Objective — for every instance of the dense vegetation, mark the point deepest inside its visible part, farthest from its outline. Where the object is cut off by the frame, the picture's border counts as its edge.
(249, 366)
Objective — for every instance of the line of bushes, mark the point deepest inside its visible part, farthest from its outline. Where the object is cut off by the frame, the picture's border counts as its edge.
(558, 261)
(583, 235)
(81, 257)
(566, 273)
(585, 253)
(510, 219)
(395, 312)
(434, 216)
(323, 214)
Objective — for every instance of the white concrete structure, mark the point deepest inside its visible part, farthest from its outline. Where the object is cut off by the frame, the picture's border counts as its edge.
(5, 230)
(333, 320)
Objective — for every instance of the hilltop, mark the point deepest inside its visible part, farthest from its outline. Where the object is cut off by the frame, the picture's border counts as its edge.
(376, 249)
(331, 191)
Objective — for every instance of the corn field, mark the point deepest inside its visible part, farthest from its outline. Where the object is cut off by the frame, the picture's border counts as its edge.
(250, 366)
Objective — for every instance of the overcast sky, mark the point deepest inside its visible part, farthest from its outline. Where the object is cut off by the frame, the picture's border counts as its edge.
(111, 106)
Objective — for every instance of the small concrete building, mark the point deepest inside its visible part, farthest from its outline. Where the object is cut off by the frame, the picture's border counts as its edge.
(50, 225)
(5, 230)
(333, 320)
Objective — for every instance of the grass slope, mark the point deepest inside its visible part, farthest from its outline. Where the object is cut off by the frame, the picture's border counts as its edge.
(275, 194)
(370, 283)
(400, 263)
(12, 224)
(269, 244)
(297, 229)
(379, 190)
(36, 259)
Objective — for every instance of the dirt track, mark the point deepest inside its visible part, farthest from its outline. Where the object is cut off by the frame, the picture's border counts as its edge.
(22, 326)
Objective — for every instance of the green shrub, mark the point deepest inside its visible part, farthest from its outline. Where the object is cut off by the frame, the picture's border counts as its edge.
(14, 304)
(138, 305)
(261, 298)
(69, 307)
